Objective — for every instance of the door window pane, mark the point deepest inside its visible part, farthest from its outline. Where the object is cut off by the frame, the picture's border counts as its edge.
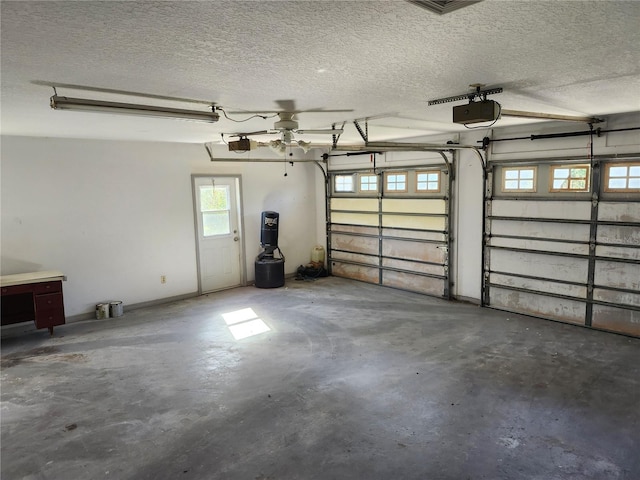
(215, 223)
(215, 210)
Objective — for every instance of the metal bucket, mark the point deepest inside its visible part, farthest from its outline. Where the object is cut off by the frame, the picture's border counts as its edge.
(102, 311)
(116, 309)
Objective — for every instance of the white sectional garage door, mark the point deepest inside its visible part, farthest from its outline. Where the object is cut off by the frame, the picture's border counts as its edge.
(562, 242)
(396, 234)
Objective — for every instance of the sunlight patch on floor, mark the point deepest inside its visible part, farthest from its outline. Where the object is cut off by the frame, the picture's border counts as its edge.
(244, 323)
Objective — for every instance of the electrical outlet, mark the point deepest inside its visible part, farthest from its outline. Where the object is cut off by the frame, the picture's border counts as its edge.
(163, 279)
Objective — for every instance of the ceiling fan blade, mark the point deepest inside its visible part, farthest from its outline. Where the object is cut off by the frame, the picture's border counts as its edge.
(324, 110)
(259, 132)
(286, 105)
(335, 131)
(269, 112)
(252, 112)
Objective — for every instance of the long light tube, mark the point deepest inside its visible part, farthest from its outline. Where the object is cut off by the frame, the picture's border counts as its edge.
(85, 105)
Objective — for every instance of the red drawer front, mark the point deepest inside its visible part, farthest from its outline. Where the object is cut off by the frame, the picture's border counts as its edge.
(16, 289)
(50, 301)
(47, 287)
(50, 318)
(49, 310)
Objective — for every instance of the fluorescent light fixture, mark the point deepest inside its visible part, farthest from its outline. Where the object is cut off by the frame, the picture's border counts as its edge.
(85, 105)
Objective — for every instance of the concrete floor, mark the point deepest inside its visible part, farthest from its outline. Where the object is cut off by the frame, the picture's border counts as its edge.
(353, 381)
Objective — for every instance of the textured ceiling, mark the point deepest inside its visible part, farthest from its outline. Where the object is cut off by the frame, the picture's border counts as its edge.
(381, 59)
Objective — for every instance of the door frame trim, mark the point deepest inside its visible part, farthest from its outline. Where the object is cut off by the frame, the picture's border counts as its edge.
(240, 213)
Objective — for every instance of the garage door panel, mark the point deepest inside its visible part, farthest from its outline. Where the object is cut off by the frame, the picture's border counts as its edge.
(554, 267)
(355, 258)
(614, 296)
(414, 222)
(571, 311)
(359, 204)
(413, 283)
(413, 266)
(360, 230)
(540, 245)
(414, 234)
(354, 244)
(618, 252)
(619, 211)
(540, 229)
(355, 272)
(619, 234)
(616, 319)
(425, 252)
(412, 205)
(355, 218)
(541, 209)
(617, 274)
(545, 286)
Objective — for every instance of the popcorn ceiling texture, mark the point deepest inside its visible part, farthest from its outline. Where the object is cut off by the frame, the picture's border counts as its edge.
(375, 57)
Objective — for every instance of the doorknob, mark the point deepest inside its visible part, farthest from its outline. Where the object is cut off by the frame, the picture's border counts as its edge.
(235, 239)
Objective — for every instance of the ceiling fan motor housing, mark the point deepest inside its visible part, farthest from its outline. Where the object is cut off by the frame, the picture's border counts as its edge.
(286, 122)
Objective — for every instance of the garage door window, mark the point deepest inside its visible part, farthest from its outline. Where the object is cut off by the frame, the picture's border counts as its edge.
(368, 183)
(570, 178)
(622, 178)
(428, 181)
(396, 182)
(519, 179)
(344, 183)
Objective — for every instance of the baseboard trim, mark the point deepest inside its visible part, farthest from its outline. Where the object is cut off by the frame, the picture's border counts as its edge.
(24, 327)
(134, 306)
(471, 300)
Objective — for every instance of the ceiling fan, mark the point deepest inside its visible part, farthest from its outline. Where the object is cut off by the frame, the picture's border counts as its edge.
(286, 127)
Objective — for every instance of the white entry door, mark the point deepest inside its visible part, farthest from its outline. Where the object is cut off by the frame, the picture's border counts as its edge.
(218, 228)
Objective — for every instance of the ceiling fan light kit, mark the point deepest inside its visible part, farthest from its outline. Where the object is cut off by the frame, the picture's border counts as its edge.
(86, 105)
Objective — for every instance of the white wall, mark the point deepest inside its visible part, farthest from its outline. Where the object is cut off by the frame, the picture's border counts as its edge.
(114, 216)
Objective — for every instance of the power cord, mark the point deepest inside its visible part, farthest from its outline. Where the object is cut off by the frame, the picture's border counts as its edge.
(264, 117)
(487, 126)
